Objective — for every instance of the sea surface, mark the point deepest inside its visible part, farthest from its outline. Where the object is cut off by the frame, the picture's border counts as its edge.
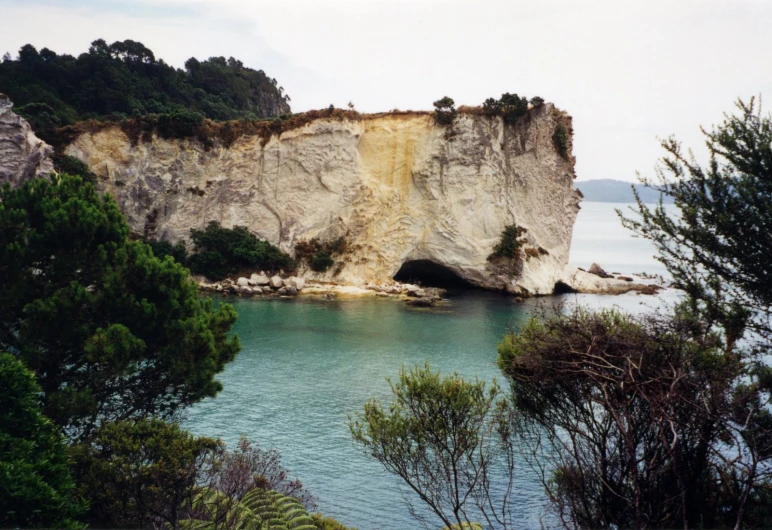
(307, 365)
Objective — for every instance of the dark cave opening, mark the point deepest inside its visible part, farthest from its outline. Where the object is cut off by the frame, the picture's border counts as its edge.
(426, 273)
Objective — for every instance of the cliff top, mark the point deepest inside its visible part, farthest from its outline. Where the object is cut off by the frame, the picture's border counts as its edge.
(210, 132)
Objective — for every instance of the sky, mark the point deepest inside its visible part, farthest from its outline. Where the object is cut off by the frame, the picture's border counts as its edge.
(629, 72)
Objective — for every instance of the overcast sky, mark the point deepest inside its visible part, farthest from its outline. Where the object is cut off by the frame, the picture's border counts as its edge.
(627, 71)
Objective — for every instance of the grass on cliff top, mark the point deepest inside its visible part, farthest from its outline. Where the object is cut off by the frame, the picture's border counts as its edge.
(210, 133)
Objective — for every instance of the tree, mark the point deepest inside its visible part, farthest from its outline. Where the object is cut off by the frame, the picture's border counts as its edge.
(445, 111)
(449, 440)
(718, 249)
(110, 331)
(35, 482)
(141, 473)
(634, 423)
(510, 106)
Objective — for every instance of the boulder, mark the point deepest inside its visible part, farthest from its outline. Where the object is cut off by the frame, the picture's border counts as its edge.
(259, 279)
(297, 283)
(597, 270)
(282, 291)
(416, 292)
(276, 282)
(257, 290)
(242, 282)
(421, 302)
(291, 290)
(244, 289)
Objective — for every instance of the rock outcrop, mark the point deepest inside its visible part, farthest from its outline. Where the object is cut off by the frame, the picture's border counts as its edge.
(398, 187)
(22, 154)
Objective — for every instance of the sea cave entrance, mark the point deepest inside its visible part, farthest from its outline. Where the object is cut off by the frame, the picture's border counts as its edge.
(426, 273)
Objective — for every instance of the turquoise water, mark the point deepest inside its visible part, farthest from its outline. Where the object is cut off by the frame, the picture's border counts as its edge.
(306, 365)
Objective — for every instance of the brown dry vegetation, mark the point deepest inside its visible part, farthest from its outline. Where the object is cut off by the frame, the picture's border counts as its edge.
(215, 133)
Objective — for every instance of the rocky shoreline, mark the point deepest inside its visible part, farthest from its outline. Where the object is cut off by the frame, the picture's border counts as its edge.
(265, 285)
(259, 284)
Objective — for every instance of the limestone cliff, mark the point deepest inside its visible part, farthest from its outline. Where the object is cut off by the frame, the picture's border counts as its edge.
(397, 186)
(22, 154)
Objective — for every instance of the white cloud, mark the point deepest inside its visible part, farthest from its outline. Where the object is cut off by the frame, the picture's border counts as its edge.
(627, 71)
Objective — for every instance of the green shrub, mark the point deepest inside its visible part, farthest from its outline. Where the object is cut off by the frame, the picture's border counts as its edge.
(140, 474)
(221, 251)
(509, 245)
(73, 166)
(445, 111)
(319, 254)
(161, 249)
(321, 261)
(510, 106)
(560, 139)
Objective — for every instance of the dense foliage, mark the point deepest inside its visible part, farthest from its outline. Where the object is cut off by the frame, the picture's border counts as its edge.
(150, 474)
(178, 251)
(319, 254)
(126, 79)
(35, 482)
(220, 251)
(110, 331)
(137, 473)
(510, 106)
(444, 437)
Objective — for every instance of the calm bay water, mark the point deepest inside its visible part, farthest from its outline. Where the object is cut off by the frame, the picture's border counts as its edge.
(306, 365)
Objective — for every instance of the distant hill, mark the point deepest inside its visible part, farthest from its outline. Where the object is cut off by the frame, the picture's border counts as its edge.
(610, 190)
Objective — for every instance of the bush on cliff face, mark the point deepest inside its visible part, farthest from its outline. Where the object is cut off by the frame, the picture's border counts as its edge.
(509, 245)
(560, 139)
(220, 251)
(317, 254)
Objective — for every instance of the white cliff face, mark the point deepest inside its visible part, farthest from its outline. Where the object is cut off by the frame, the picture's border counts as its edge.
(398, 187)
(22, 154)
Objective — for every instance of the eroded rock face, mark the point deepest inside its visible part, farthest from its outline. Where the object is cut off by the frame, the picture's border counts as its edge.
(397, 187)
(22, 154)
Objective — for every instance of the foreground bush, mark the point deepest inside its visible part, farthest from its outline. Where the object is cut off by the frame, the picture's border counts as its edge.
(639, 422)
(35, 483)
(140, 474)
